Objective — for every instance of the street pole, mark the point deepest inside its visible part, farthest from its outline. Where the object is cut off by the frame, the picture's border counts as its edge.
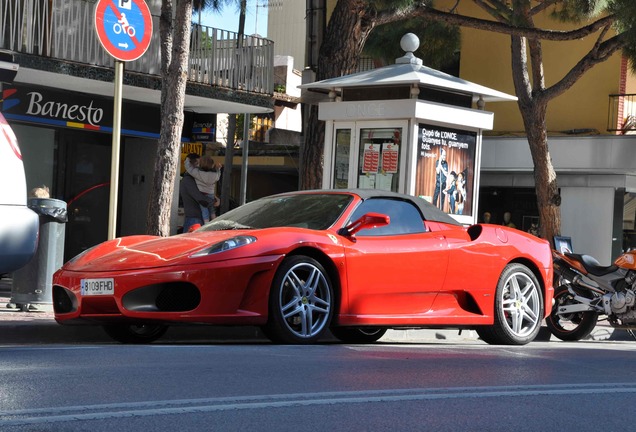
(114, 160)
(246, 151)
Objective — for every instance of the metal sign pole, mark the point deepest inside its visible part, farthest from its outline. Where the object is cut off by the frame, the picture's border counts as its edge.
(124, 28)
(114, 160)
(246, 151)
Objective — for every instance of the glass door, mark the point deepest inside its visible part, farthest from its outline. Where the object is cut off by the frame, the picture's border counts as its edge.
(85, 182)
(341, 158)
(338, 156)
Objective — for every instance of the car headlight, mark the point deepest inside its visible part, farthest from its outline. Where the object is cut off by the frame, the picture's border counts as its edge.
(225, 245)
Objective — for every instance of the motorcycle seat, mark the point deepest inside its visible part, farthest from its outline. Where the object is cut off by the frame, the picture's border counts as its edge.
(592, 265)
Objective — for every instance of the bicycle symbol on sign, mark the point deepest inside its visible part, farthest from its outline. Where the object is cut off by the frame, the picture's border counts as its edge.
(123, 25)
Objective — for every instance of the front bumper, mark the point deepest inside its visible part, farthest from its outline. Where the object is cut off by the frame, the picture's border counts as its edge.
(225, 292)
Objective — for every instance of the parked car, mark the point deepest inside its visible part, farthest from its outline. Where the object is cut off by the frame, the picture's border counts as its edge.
(354, 261)
(18, 223)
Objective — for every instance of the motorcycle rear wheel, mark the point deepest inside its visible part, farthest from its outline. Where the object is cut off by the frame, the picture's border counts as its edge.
(569, 327)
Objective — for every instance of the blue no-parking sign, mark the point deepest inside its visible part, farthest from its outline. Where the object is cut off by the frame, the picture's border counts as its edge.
(124, 27)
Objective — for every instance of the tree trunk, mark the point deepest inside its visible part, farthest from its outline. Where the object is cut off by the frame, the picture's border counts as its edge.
(533, 105)
(545, 180)
(348, 29)
(312, 152)
(173, 99)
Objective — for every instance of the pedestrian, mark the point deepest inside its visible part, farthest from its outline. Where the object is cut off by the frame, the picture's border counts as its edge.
(207, 173)
(192, 198)
(40, 192)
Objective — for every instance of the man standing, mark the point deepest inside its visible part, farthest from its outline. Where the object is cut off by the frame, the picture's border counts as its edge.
(441, 172)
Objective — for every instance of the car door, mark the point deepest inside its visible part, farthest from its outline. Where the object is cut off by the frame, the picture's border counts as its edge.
(395, 270)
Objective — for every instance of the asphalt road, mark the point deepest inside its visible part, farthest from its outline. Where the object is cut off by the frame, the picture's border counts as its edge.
(436, 386)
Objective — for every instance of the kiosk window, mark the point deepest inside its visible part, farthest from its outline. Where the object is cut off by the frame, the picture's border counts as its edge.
(379, 163)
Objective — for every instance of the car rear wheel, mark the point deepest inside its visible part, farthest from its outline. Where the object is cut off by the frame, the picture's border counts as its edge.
(518, 308)
(301, 302)
(571, 326)
(135, 333)
(356, 335)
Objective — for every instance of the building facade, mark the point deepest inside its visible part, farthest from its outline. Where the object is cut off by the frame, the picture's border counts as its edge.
(60, 105)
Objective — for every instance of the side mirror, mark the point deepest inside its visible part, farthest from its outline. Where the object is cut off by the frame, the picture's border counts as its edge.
(367, 221)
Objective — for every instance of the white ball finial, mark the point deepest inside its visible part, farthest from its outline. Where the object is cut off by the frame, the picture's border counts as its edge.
(410, 42)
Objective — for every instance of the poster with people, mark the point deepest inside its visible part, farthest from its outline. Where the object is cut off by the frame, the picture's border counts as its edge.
(445, 173)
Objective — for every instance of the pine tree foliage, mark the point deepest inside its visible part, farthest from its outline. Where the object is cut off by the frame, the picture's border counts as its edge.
(439, 42)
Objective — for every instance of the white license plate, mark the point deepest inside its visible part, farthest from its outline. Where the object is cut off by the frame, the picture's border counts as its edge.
(94, 287)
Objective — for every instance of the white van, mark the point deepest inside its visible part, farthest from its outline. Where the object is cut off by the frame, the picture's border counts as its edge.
(18, 224)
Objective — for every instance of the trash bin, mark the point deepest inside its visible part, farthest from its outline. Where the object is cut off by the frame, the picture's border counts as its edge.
(33, 283)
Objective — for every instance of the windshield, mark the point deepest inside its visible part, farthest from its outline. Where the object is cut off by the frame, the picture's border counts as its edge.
(312, 211)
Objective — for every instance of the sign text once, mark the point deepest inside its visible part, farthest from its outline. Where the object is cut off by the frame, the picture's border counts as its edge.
(366, 110)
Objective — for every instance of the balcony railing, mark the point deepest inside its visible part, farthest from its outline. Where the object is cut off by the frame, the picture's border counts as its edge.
(622, 113)
(64, 30)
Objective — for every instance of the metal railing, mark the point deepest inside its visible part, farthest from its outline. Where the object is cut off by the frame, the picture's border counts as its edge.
(622, 113)
(64, 30)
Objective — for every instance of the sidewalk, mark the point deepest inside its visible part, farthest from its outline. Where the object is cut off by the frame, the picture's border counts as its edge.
(39, 327)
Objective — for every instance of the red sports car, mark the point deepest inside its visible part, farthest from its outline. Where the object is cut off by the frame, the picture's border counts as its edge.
(356, 262)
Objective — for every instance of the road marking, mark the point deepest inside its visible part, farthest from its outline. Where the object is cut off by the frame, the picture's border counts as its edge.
(49, 348)
(208, 405)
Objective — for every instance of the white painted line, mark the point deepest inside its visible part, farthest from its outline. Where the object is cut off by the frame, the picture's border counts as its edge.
(208, 405)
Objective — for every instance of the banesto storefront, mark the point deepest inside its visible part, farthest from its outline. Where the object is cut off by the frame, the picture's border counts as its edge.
(66, 141)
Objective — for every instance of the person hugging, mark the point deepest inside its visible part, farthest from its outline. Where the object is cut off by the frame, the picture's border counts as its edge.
(206, 173)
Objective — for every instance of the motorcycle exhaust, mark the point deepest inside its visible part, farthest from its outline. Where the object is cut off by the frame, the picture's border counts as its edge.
(578, 280)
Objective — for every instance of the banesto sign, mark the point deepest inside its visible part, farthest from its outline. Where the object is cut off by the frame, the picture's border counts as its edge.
(60, 110)
(49, 106)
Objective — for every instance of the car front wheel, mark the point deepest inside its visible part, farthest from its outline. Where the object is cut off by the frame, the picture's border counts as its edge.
(301, 302)
(135, 333)
(518, 308)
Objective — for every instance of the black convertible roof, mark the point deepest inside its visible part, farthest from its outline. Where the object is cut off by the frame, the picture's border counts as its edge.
(428, 210)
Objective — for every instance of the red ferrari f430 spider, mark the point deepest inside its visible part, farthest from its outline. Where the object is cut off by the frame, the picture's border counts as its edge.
(355, 262)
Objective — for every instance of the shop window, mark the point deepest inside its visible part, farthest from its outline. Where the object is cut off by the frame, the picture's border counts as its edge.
(629, 222)
(516, 207)
(259, 127)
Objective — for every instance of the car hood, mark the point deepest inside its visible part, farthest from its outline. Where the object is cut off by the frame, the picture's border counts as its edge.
(138, 252)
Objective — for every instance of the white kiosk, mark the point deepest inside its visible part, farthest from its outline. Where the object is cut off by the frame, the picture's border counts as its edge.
(407, 128)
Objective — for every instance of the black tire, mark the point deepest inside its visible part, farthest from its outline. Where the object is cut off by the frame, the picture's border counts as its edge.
(301, 302)
(135, 333)
(518, 308)
(573, 326)
(358, 335)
